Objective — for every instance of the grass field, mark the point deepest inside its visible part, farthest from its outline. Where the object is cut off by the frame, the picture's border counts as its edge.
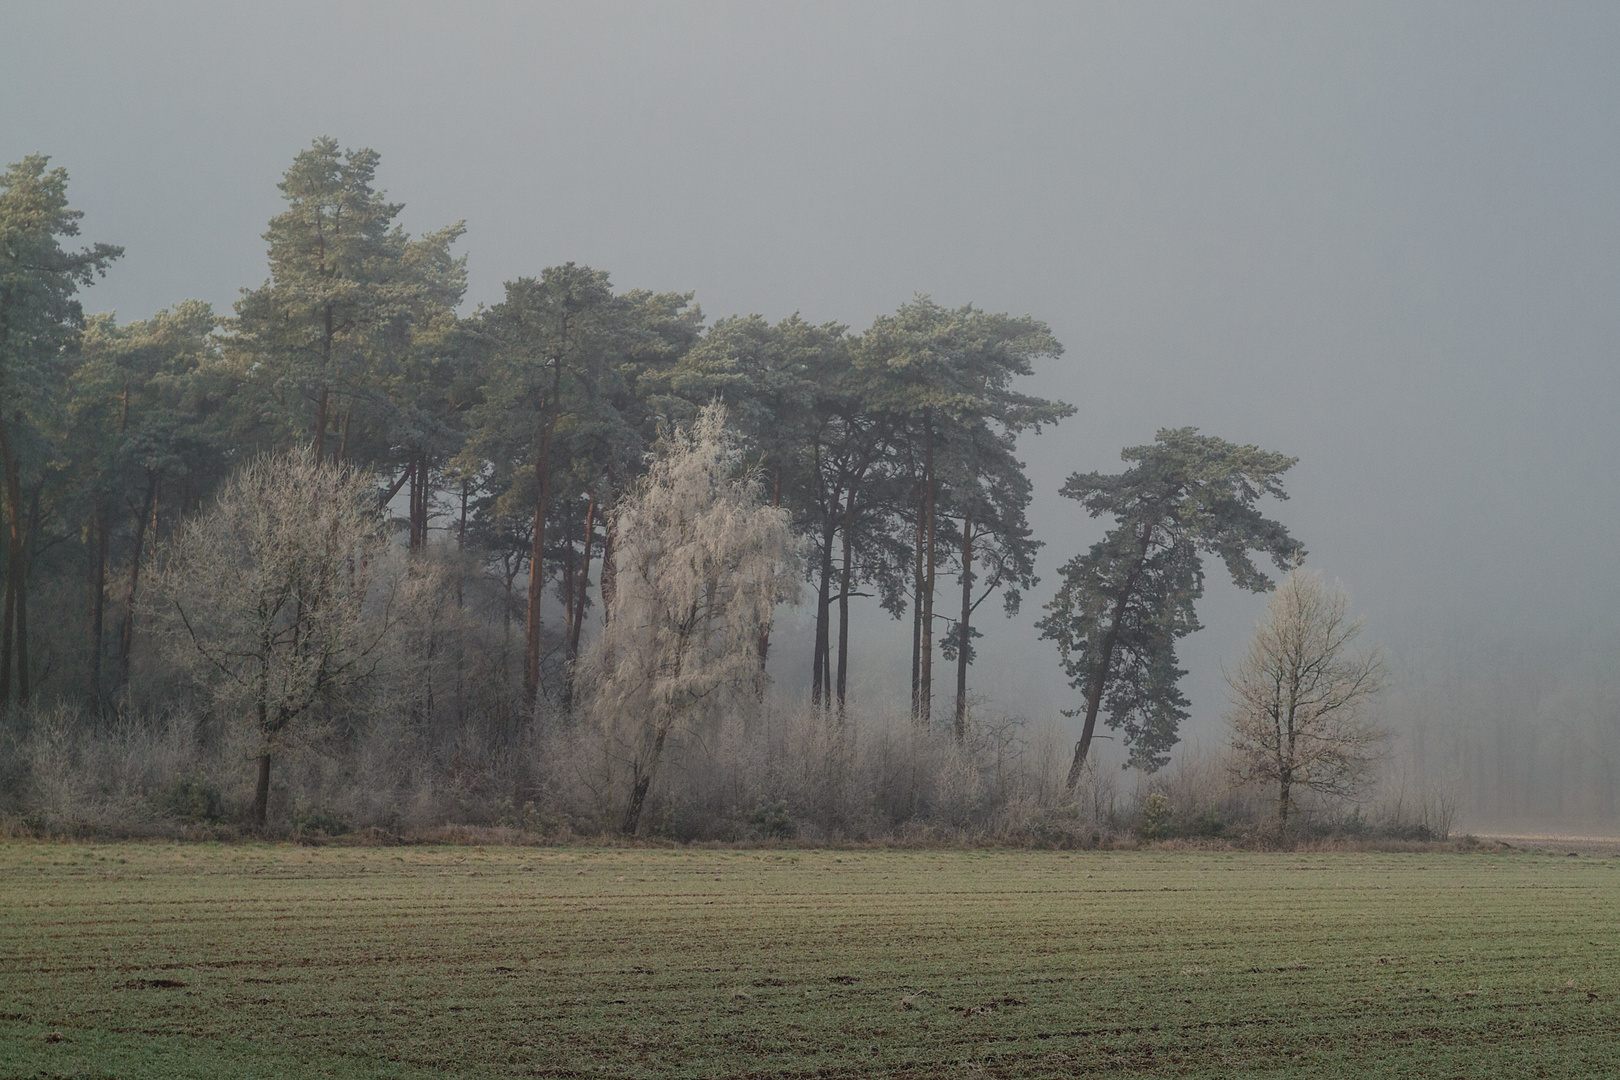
(157, 960)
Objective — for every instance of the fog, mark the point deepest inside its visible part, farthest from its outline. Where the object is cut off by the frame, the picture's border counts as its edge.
(1381, 237)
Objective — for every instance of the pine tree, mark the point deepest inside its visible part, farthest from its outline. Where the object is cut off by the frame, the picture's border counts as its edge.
(39, 317)
(1124, 604)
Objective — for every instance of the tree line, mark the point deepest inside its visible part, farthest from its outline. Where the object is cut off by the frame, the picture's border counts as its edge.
(512, 436)
(513, 431)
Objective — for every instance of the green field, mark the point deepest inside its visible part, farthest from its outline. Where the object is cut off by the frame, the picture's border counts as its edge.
(159, 960)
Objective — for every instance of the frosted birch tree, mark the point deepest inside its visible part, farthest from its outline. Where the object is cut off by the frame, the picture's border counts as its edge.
(266, 593)
(701, 562)
(1300, 695)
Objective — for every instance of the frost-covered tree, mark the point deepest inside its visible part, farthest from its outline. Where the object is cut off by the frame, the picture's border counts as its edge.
(1299, 696)
(701, 562)
(267, 593)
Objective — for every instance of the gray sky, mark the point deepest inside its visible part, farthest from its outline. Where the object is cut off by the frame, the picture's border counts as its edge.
(1384, 238)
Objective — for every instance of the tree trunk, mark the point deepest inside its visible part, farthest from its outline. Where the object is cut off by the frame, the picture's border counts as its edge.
(7, 621)
(610, 573)
(1099, 677)
(461, 531)
(963, 633)
(569, 570)
(821, 682)
(537, 556)
(321, 403)
(1282, 808)
(343, 443)
(417, 470)
(410, 501)
(23, 564)
(423, 494)
(762, 648)
(762, 645)
(925, 677)
(1094, 691)
(424, 500)
(126, 632)
(16, 540)
(98, 594)
(583, 582)
(917, 612)
(640, 785)
(321, 420)
(261, 793)
(845, 585)
(153, 530)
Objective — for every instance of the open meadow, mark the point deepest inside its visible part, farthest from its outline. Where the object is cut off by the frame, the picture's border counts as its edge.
(186, 960)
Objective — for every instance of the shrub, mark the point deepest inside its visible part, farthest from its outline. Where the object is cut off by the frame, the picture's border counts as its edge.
(530, 819)
(1155, 823)
(1206, 824)
(321, 820)
(192, 799)
(773, 821)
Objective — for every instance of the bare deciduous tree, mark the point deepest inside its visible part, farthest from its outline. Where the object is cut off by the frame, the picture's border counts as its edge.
(1299, 696)
(701, 563)
(267, 594)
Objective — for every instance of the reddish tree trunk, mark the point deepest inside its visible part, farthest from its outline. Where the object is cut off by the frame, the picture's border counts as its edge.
(917, 611)
(926, 675)
(964, 635)
(845, 584)
(821, 680)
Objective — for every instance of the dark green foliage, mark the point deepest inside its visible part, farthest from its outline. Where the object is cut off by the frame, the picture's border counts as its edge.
(1125, 603)
(773, 821)
(329, 342)
(320, 820)
(192, 799)
(39, 321)
(500, 440)
(1155, 818)
(1206, 824)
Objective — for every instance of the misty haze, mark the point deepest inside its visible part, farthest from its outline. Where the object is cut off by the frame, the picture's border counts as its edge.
(1013, 428)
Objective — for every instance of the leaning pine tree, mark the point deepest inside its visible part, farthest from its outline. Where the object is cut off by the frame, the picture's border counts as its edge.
(701, 562)
(1125, 603)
